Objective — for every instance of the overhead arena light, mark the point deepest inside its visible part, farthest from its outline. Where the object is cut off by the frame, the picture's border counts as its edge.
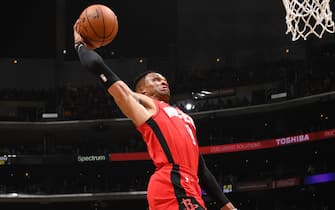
(214, 93)
(189, 106)
(49, 115)
(206, 92)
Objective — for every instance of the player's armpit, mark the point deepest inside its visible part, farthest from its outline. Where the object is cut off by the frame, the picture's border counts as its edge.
(146, 101)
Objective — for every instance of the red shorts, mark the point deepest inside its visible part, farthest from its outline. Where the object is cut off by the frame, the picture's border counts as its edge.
(173, 189)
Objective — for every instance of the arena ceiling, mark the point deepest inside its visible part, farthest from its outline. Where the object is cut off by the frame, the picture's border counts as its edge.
(43, 29)
(37, 28)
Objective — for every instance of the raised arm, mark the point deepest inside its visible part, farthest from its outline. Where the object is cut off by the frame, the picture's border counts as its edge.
(136, 107)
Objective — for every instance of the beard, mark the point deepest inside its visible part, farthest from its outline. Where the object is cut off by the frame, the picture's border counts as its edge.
(163, 95)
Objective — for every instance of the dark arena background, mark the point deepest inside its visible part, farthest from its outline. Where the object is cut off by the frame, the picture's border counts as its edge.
(262, 103)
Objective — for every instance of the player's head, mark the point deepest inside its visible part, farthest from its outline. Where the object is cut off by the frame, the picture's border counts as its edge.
(154, 85)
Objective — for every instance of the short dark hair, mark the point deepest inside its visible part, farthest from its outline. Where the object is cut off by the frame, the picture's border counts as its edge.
(141, 76)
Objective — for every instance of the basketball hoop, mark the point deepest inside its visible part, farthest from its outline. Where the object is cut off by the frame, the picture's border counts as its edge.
(305, 17)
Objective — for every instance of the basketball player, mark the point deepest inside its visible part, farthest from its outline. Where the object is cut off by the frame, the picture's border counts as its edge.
(169, 134)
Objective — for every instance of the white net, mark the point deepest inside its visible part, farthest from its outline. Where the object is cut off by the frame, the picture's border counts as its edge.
(305, 17)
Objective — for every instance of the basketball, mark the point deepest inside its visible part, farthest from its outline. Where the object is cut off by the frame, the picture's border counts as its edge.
(98, 25)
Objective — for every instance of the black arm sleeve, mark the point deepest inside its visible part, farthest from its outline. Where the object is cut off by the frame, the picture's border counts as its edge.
(210, 185)
(95, 64)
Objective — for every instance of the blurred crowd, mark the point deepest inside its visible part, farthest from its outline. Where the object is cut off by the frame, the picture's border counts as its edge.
(92, 102)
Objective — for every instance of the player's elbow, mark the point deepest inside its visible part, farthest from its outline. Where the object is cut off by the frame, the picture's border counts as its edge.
(120, 92)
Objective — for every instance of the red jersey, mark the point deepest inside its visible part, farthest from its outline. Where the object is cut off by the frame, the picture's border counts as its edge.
(170, 135)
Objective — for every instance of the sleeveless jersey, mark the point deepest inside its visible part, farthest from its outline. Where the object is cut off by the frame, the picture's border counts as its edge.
(170, 136)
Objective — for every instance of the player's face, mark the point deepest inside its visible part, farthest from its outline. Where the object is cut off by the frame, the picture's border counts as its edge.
(156, 86)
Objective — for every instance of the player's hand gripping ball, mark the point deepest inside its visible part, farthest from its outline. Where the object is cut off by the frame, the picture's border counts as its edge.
(97, 25)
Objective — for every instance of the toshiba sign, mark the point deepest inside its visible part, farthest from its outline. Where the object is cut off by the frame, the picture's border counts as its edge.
(292, 139)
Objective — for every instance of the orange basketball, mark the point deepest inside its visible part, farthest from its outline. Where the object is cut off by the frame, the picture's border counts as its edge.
(98, 25)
